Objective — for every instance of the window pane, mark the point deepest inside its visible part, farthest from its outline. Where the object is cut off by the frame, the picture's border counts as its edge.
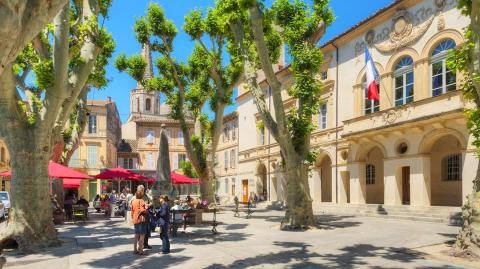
(450, 78)
(409, 78)
(409, 90)
(399, 81)
(399, 93)
(437, 82)
(437, 68)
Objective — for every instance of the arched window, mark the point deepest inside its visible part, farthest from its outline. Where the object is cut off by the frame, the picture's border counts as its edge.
(404, 81)
(370, 174)
(451, 167)
(148, 104)
(369, 106)
(443, 78)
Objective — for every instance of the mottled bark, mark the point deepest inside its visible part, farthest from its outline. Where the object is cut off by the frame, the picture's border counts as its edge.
(30, 223)
(21, 21)
(299, 213)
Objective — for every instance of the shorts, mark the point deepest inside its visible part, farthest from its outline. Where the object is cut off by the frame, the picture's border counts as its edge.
(141, 228)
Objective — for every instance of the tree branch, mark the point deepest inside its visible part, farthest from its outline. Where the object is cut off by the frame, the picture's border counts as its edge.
(55, 95)
(40, 47)
(256, 19)
(251, 81)
(318, 33)
(12, 118)
(21, 21)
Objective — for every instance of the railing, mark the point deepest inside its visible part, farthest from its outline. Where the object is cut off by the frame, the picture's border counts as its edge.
(82, 163)
(419, 110)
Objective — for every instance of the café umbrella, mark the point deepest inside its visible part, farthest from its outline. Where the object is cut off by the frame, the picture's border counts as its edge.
(120, 174)
(71, 177)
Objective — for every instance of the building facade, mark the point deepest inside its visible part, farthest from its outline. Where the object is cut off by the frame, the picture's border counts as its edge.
(226, 161)
(97, 148)
(141, 134)
(412, 147)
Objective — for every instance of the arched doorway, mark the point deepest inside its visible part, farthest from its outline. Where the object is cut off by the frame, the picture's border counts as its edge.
(326, 179)
(322, 179)
(374, 176)
(262, 185)
(446, 165)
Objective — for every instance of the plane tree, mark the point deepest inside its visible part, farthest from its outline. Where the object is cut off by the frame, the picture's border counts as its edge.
(206, 79)
(259, 33)
(40, 90)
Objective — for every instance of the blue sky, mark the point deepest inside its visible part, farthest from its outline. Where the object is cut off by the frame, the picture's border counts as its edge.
(124, 12)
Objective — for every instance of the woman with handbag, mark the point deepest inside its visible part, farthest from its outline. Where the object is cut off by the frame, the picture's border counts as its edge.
(140, 224)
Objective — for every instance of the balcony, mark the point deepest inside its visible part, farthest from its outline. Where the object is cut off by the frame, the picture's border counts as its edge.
(84, 164)
(98, 133)
(429, 108)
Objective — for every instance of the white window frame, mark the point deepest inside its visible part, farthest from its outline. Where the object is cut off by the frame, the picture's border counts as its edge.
(261, 136)
(92, 155)
(225, 159)
(232, 158)
(181, 140)
(403, 72)
(92, 125)
(322, 117)
(441, 58)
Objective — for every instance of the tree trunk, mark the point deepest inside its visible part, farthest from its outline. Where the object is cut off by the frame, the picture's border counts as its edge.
(299, 212)
(468, 240)
(206, 189)
(30, 224)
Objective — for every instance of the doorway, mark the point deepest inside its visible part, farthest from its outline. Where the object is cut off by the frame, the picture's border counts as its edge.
(245, 191)
(406, 185)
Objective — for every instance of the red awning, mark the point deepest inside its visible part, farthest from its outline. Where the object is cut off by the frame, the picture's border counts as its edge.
(120, 173)
(181, 179)
(71, 183)
(56, 170)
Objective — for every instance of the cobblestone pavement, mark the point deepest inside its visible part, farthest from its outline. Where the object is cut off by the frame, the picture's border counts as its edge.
(339, 242)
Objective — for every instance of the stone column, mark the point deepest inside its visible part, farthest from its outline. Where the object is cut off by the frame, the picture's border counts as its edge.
(358, 186)
(420, 182)
(334, 177)
(393, 182)
(343, 182)
(469, 170)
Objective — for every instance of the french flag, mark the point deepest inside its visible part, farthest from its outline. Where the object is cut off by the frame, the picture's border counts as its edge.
(371, 73)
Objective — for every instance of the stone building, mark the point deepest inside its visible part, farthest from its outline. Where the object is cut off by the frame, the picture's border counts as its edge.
(226, 158)
(97, 149)
(410, 148)
(142, 131)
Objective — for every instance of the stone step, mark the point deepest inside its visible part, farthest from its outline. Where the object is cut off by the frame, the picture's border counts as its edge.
(450, 215)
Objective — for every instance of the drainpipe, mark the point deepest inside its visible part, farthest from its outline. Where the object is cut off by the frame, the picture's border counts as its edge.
(268, 162)
(336, 122)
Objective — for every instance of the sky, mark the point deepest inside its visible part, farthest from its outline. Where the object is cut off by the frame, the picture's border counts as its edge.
(123, 14)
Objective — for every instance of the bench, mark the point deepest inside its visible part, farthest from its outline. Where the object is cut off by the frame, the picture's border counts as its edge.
(190, 217)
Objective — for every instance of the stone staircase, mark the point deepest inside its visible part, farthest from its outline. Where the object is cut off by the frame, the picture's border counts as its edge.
(442, 214)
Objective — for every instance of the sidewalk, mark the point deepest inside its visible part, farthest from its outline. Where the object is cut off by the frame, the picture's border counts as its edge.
(342, 242)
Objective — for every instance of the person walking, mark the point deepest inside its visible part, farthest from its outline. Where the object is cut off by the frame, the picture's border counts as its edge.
(139, 219)
(164, 217)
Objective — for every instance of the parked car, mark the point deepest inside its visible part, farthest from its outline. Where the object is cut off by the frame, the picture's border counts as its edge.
(5, 198)
(2, 211)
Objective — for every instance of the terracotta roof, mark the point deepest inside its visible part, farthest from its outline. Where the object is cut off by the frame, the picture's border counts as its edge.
(128, 145)
(230, 116)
